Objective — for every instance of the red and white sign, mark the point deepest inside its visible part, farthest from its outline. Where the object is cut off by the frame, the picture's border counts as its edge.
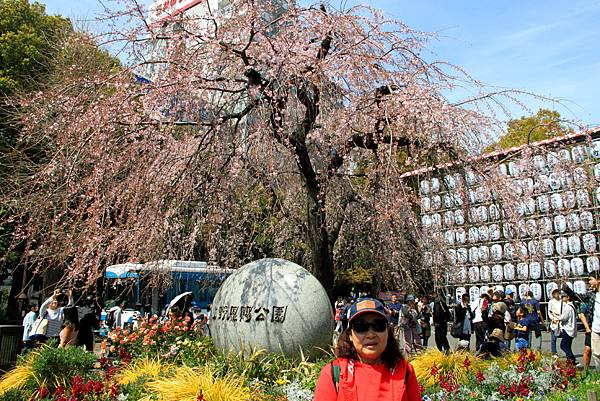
(165, 9)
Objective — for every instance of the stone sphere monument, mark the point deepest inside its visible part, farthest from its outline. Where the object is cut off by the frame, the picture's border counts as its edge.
(272, 304)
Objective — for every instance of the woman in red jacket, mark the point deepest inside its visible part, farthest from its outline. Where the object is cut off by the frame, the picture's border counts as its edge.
(369, 364)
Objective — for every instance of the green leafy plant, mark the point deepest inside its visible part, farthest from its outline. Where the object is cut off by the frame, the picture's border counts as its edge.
(56, 367)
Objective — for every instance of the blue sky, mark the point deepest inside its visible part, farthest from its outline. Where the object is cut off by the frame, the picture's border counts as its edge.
(549, 47)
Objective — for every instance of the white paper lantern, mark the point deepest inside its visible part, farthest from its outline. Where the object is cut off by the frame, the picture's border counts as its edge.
(535, 270)
(570, 200)
(472, 196)
(549, 268)
(514, 169)
(554, 181)
(435, 185)
(457, 199)
(448, 218)
(461, 235)
(473, 274)
(592, 264)
(564, 267)
(474, 254)
(523, 289)
(520, 208)
(547, 246)
(509, 271)
(578, 154)
(573, 222)
(502, 169)
(587, 220)
(556, 202)
(551, 286)
(495, 233)
(450, 182)
(436, 202)
(522, 271)
(474, 293)
(577, 267)
(529, 206)
(560, 223)
(539, 162)
(473, 235)
(522, 227)
(496, 252)
(521, 249)
(579, 176)
(459, 293)
(543, 203)
(564, 155)
(484, 253)
(589, 243)
(583, 198)
(595, 149)
(561, 245)
(531, 227)
(485, 273)
(509, 251)
(566, 179)
(448, 203)
(536, 289)
(484, 234)
(546, 225)
(508, 231)
(579, 287)
(533, 247)
(436, 220)
(462, 255)
(497, 273)
(425, 187)
(459, 217)
(483, 289)
(541, 183)
(451, 256)
(426, 221)
(552, 159)
(574, 244)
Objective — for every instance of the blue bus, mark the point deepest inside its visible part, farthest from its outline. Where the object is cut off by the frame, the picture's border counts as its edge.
(135, 284)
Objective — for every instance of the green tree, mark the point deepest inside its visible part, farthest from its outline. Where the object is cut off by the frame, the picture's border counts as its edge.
(28, 41)
(543, 125)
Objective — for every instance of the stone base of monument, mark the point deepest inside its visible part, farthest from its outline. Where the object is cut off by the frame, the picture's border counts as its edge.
(272, 304)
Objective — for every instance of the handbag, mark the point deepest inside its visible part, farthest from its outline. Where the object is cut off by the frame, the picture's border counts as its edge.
(509, 331)
(457, 330)
(39, 326)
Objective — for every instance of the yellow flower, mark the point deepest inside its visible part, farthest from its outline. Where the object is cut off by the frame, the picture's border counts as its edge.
(281, 381)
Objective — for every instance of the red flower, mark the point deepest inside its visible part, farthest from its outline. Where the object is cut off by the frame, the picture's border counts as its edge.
(42, 392)
(434, 370)
(479, 376)
(467, 363)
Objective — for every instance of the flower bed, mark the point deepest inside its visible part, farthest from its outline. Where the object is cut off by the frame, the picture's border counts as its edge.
(167, 361)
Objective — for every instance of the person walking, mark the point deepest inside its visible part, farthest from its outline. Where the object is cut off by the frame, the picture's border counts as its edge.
(568, 323)
(555, 306)
(480, 309)
(369, 365)
(89, 320)
(533, 307)
(425, 324)
(409, 320)
(594, 282)
(395, 310)
(441, 317)
(70, 328)
(28, 322)
(464, 315)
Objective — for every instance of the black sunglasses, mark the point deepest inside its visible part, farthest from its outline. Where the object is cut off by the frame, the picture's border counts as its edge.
(378, 326)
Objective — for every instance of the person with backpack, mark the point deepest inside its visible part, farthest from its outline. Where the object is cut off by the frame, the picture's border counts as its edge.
(568, 324)
(369, 364)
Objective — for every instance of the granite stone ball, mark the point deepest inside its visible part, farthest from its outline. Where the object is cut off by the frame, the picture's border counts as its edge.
(272, 304)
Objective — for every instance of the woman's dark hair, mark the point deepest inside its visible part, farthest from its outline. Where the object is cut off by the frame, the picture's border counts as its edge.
(390, 356)
(71, 317)
(175, 311)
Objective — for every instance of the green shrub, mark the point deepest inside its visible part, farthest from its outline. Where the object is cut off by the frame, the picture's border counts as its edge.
(14, 395)
(58, 366)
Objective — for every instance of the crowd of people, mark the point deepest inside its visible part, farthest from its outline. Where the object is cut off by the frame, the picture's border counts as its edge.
(59, 320)
(496, 320)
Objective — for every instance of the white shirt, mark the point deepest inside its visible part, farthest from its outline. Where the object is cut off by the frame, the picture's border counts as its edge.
(554, 311)
(568, 319)
(476, 308)
(28, 321)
